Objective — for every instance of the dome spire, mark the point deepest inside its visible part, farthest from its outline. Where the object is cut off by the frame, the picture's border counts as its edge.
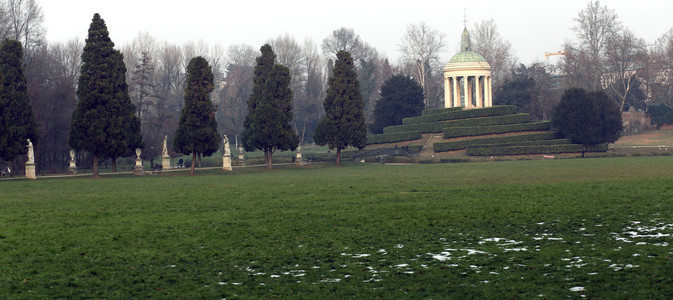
(465, 44)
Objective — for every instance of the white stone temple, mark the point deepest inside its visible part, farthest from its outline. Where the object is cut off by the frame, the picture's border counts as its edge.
(467, 78)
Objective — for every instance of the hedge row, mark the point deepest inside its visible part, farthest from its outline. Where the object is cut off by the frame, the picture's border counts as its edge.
(457, 145)
(462, 114)
(537, 149)
(527, 143)
(393, 137)
(432, 111)
(433, 127)
(482, 130)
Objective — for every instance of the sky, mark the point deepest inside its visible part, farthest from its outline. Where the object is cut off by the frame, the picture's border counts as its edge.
(531, 26)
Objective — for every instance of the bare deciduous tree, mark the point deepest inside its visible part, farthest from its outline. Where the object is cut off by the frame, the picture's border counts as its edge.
(342, 39)
(421, 46)
(625, 54)
(595, 25)
(486, 41)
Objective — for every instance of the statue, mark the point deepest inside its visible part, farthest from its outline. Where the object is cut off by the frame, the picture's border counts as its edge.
(226, 157)
(227, 148)
(164, 152)
(31, 153)
(138, 169)
(72, 169)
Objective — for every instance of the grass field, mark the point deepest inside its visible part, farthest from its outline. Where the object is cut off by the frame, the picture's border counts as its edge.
(571, 228)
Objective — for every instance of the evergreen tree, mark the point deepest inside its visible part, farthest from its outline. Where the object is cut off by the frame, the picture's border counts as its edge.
(344, 121)
(103, 122)
(401, 97)
(588, 118)
(265, 63)
(197, 130)
(272, 129)
(17, 122)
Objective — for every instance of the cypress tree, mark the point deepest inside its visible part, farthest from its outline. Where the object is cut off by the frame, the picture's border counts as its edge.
(344, 122)
(17, 121)
(401, 97)
(103, 122)
(197, 130)
(265, 63)
(271, 130)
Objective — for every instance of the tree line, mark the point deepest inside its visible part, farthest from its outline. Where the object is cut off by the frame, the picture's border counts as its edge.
(156, 74)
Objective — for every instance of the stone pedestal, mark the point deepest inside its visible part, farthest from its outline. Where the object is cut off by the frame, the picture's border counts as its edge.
(226, 162)
(30, 171)
(72, 169)
(298, 161)
(166, 162)
(138, 169)
(241, 158)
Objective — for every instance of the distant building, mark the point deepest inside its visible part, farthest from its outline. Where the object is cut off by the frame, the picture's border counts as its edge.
(467, 78)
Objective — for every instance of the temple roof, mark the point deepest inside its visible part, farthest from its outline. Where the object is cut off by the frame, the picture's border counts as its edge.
(466, 54)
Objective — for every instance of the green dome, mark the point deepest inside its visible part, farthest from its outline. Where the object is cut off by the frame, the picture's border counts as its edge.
(467, 56)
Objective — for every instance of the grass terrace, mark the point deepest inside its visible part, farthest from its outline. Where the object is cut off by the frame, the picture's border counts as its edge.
(599, 228)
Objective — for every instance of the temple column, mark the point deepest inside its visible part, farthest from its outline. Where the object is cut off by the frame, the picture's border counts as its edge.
(478, 92)
(489, 93)
(468, 102)
(456, 96)
(447, 93)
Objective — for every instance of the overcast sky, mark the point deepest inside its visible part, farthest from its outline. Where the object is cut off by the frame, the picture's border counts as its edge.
(532, 26)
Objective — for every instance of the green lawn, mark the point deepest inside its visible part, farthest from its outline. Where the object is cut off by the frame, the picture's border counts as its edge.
(599, 228)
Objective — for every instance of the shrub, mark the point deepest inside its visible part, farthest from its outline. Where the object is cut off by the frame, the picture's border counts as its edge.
(457, 145)
(588, 117)
(393, 137)
(482, 130)
(432, 127)
(534, 149)
(462, 114)
(526, 143)
(431, 111)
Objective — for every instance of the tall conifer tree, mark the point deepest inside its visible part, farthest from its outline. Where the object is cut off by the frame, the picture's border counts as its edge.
(344, 122)
(265, 63)
(197, 130)
(17, 121)
(103, 122)
(272, 129)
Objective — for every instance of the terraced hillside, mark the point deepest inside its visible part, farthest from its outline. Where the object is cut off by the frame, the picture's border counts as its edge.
(492, 131)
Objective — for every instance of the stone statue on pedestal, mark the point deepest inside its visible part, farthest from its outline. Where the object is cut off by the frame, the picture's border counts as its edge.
(165, 159)
(30, 164)
(138, 169)
(298, 161)
(72, 169)
(226, 158)
(241, 158)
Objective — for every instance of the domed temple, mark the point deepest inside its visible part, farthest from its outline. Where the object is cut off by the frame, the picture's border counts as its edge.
(467, 78)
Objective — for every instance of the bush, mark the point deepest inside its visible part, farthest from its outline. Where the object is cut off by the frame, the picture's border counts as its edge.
(457, 145)
(588, 118)
(462, 114)
(393, 137)
(433, 127)
(483, 130)
(432, 111)
(527, 143)
(535, 149)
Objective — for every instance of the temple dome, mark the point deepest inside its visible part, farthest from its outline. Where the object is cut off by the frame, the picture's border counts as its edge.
(466, 54)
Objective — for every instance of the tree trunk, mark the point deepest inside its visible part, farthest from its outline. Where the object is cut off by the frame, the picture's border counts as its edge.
(269, 160)
(94, 168)
(191, 172)
(199, 158)
(114, 165)
(266, 156)
(338, 156)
